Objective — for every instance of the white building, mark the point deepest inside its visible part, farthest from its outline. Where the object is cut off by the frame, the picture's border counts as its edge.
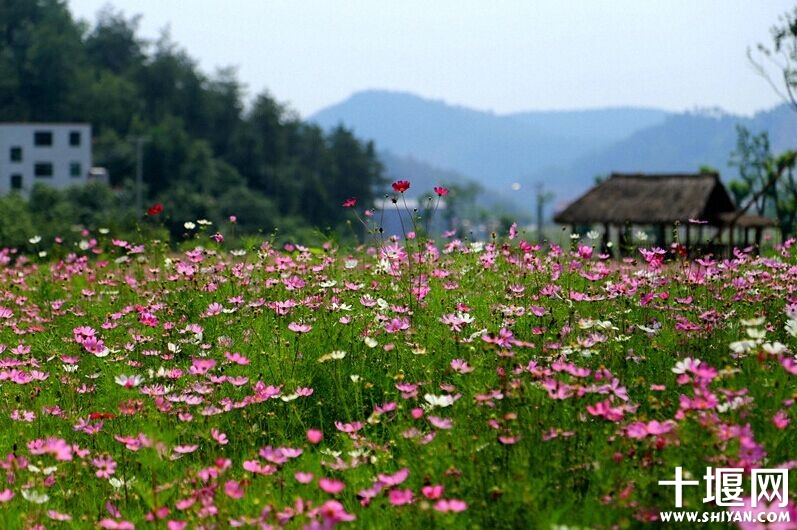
(56, 154)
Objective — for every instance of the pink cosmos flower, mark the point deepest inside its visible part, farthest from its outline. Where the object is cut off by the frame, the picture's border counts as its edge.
(395, 479)
(461, 366)
(128, 381)
(450, 505)
(400, 497)
(58, 516)
(106, 466)
(432, 492)
(397, 324)
(233, 489)
(297, 327)
(314, 436)
(303, 477)
(333, 512)
(441, 423)
(236, 358)
(781, 419)
(331, 486)
(349, 427)
(219, 436)
(213, 309)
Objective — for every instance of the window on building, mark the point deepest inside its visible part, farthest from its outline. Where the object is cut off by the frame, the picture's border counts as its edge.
(43, 138)
(16, 154)
(43, 169)
(74, 138)
(16, 182)
(74, 169)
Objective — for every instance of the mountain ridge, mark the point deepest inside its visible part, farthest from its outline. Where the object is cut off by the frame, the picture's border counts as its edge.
(564, 150)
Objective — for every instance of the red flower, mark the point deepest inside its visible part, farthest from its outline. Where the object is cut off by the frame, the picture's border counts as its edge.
(155, 209)
(350, 202)
(440, 191)
(401, 185)
(101, 416)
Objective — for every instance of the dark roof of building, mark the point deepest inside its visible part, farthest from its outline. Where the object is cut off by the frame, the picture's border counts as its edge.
(650, 199)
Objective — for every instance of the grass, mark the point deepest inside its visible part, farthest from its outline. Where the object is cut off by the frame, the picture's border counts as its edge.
(416, 385)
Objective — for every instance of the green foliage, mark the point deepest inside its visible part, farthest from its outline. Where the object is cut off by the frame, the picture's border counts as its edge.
(16, 226)
(201, 143)
(767, 182)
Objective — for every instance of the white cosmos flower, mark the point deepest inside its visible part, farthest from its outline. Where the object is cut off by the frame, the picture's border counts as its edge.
(35, 239)
(34, 496)
(189, 225)
(439, 401)
(773, 348)
(685, 365)
(128, 381)
(117, 483)
(755, 333)
(742, 346)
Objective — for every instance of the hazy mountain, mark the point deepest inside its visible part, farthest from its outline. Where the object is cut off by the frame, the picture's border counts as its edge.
(564, 150)
(682, 143)
(499, 149)
(594, 125)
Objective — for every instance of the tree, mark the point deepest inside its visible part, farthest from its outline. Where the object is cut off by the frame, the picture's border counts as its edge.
(750, 157)
(767, 181)
(42, 55)
(112, 44)
(777, 63)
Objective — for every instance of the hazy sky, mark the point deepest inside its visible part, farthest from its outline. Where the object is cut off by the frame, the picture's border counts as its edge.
(503, 56)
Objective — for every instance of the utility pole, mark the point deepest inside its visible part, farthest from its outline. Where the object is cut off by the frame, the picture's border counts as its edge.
(542, 199)
(140, 141)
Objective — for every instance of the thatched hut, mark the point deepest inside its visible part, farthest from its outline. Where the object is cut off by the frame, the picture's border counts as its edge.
(668, 202)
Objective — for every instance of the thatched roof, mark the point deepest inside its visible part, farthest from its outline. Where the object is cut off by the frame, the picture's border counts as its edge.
(651, 199)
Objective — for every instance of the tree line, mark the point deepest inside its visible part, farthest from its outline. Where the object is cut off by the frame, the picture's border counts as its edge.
(208, 152)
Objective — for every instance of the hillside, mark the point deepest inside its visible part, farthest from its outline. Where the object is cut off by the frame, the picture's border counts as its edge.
(565, 150)
(488, 147)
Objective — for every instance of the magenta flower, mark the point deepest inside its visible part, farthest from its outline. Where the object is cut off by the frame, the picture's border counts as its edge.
(314, 436)
(233, 489)
(450, 505)
(303, 477)
(432, 492)
(331, 486)
(400, 497)
(333, 512)
(395, 479)
(106, 466)
(397, 324)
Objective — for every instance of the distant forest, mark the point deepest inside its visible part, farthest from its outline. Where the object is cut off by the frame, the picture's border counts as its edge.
(210, 151)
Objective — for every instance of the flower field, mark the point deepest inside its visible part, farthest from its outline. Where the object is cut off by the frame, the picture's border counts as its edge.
(409, 384)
